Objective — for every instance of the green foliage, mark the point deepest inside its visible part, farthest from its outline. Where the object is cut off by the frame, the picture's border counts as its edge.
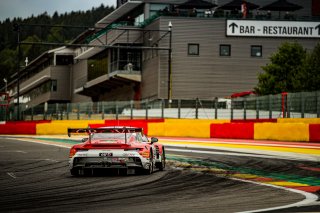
(311, 77)
(289, 70)
(7, 62)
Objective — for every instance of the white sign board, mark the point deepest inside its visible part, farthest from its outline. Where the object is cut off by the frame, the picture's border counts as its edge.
(297, 29)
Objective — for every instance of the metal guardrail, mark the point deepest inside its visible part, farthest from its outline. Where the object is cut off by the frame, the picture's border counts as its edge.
(287, 105)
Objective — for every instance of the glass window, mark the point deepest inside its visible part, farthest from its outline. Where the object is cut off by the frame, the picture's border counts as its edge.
(54, 86)
(225, 50)
(193, 49)
(139, 19)
(156, 8)
(256, 51)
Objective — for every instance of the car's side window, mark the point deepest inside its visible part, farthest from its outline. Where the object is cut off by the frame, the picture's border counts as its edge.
(145, 139)
(138, 137)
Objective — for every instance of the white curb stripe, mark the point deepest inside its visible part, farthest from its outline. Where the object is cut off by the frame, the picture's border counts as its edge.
(309, 197)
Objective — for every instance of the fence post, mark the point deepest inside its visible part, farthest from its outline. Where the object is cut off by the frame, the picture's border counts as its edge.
(318, 103)
(56, 111)
(231, 109)
(61, 112)
(216, 108)
(89, 110)
(162, 108)
(102, 110)
(270, 106)
(257, 108)
(78, 111)
(45, 110)
(302, 104)
(197, 108)
(245, 108)
(32, 113)
(288, 105)
(179, 108)
(147, 105)
(68, 108)
(117, 116)
(131, 109)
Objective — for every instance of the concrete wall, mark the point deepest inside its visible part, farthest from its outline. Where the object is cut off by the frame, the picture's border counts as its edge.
(297, 130)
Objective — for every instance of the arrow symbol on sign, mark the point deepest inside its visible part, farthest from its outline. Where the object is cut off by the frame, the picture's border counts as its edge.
(233, 25)
(318, 27)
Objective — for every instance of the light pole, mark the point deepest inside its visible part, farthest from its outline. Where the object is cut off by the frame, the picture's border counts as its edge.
(169, 64)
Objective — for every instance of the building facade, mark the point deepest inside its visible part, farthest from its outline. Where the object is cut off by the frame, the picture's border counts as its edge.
(151, 50)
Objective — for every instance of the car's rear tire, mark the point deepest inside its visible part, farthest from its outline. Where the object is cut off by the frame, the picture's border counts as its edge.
(75, 171)
(162, 165)
(149, 171)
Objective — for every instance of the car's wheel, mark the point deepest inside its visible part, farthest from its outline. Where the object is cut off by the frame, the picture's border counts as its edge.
(149, 171)
(75, 171)
(162, 165)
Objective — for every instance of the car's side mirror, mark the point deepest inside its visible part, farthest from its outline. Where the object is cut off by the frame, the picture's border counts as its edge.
(84, 139)
(154, 140)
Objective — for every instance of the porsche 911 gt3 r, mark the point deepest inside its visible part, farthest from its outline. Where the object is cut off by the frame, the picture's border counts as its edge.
(120, 148)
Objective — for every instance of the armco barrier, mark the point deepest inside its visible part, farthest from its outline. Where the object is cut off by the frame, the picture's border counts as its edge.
(308, 129)
(20, 127)
(281, 131)
(28, 129)
(133, 123)
(60, 127)
(314, 132)
(232, 130)
(299, 120)
(156, 129)
(183, 128)
(262, 120)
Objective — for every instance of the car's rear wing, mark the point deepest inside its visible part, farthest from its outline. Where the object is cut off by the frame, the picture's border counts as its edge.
(78, 131)
(122, 129)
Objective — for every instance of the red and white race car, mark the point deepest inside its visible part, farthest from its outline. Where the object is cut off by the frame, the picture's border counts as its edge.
(120, 148)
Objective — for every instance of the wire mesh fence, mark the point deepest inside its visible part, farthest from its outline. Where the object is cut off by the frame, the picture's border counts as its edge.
(286, 105)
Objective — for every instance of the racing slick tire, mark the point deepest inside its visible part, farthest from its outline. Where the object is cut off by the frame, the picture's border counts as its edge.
(75, 171)
(149, 171)
(162, 165)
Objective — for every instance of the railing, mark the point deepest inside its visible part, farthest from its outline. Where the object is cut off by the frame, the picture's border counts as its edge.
(291, 105)
(133, 65)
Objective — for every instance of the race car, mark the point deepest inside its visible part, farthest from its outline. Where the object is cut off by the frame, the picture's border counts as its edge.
(124, 149)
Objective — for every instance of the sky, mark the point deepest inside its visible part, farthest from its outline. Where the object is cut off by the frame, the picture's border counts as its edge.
(25, 8)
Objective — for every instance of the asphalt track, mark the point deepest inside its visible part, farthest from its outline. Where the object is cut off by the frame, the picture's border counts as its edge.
(202, 176)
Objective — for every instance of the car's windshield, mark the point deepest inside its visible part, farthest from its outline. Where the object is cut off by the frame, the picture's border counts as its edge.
(138, 137)
(109, 135)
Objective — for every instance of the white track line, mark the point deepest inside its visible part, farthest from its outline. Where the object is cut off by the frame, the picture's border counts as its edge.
(11, 175)
(309, 197)
(42, 142)
(228, 153)
(241, 143)
(275, 154)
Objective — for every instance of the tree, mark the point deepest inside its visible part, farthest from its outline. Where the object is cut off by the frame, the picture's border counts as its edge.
(311, 77)
(8, 60)
(285, 73)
